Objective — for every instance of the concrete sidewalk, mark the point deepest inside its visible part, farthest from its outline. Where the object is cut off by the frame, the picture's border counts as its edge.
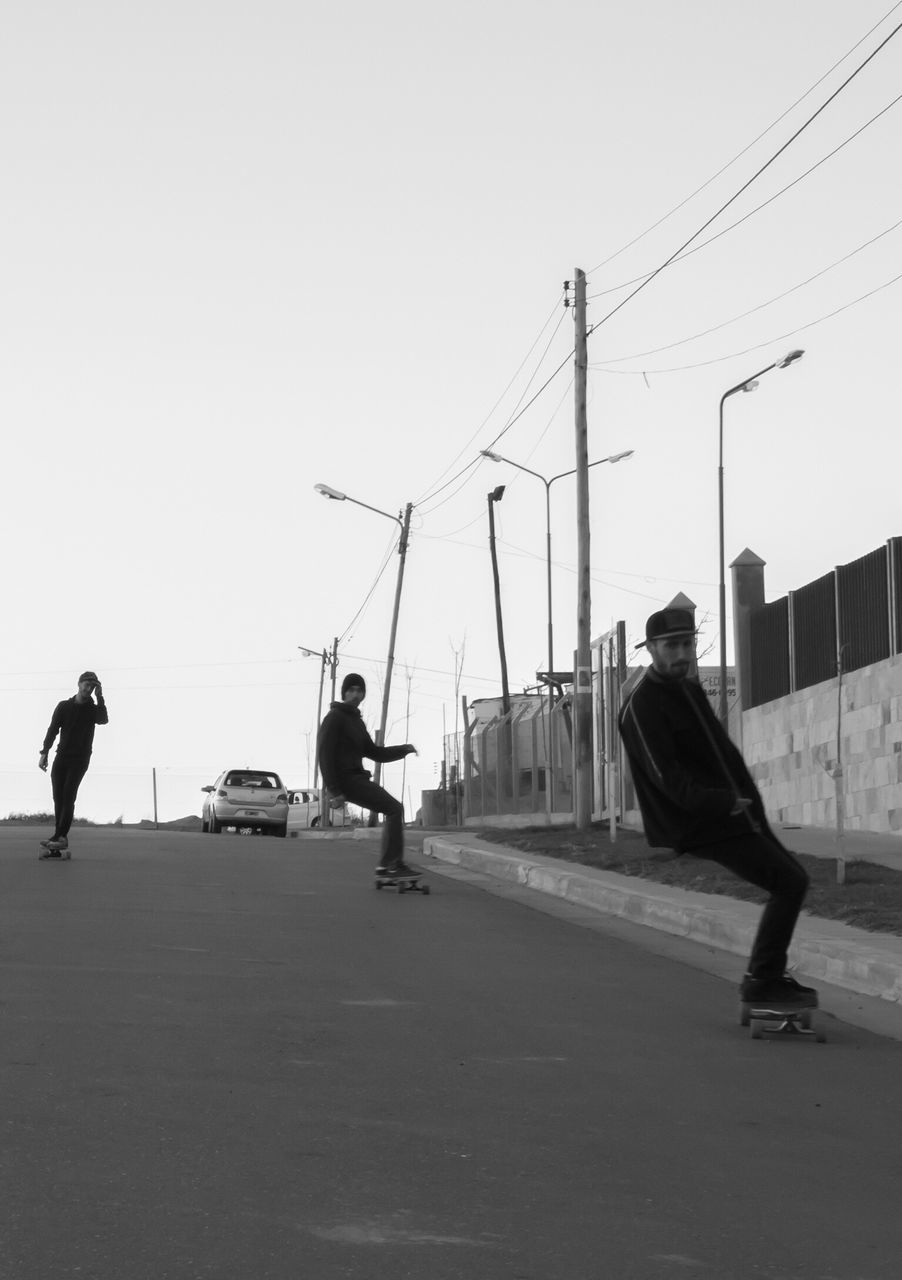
(823, 950)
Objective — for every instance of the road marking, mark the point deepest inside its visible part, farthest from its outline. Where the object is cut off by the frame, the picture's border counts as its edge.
(202, 951)
(525, 1058)
(378, 1004)
(371, 1233)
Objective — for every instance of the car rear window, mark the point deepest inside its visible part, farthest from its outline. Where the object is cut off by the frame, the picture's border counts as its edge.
(250, 779)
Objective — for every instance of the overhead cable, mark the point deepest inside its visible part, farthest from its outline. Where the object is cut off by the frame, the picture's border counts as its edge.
(745, 186)
(684, 257)
(740, 154)
(704, 333)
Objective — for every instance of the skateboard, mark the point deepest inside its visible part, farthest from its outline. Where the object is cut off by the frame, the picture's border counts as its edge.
(404, 884)
(63, 855)
(780, 1020)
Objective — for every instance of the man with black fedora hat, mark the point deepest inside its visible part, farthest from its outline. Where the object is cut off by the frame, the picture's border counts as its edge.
(342, 743)
(698, 797)
(74, 720)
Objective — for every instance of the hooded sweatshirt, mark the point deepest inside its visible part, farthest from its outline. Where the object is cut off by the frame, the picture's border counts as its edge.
(343, 741)
(687, 772)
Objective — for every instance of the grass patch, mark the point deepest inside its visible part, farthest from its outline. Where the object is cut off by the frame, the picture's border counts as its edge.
(870, 899)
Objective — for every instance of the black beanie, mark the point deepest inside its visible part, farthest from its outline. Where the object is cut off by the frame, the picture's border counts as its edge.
(352, 681)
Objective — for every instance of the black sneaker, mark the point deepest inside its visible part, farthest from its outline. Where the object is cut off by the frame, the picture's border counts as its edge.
(402, 871)
(783, 991)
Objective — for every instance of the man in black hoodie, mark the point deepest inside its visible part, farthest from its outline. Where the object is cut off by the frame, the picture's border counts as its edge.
(698, 797)
(342, 743)
(74, 721)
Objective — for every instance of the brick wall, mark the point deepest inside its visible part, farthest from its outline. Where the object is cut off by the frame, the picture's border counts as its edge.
(790, 746)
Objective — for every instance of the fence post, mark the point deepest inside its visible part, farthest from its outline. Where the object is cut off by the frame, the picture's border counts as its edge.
(156, 824)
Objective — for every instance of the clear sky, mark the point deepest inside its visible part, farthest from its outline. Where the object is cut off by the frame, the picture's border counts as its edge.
(252, 247)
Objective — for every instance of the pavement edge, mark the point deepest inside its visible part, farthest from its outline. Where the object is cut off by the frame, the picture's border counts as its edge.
(825, 950)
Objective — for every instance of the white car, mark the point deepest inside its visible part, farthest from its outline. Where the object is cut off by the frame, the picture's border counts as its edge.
(304, 810)
(243, 798)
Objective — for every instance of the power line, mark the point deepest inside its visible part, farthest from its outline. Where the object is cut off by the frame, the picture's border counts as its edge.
(684, 257)
(704, 333)
(431, 491)
(752, 179)
(369, 594)
(738, 156)
(701, 364)
(444, 537)
(514, 418)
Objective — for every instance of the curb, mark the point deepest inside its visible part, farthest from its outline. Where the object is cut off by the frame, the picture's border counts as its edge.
(838, 954)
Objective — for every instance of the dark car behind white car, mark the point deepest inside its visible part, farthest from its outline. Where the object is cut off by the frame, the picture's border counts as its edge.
(246, 798)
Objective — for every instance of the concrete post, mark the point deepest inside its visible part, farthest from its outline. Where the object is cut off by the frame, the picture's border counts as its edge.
(747, 572)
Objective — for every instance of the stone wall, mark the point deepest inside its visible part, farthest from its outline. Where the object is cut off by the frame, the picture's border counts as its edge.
(790, 746)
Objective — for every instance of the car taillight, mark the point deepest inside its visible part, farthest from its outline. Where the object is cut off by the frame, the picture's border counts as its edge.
(224, 794)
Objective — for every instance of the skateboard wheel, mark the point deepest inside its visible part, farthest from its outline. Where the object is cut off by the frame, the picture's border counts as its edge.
(425, 888)
(744, 1018)
(757, 1031)
(819, 1037)
(378, 884)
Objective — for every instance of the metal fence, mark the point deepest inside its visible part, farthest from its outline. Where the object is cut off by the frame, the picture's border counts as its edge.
(769, 630)
(851, 616)
(519, 763)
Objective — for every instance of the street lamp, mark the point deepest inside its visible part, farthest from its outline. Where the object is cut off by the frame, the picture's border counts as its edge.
(496, 457)
(495, 496)
(338, 496)
(749, 384)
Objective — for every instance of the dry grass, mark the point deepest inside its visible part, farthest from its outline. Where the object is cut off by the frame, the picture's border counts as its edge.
(871, 898)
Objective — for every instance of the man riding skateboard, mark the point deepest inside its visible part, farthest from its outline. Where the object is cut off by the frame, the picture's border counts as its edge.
(342, 743)
(74, 720)
(698, 797)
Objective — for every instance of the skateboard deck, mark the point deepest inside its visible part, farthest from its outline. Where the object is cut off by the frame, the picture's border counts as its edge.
(61, 855)
(781, 1020)
(404, 884)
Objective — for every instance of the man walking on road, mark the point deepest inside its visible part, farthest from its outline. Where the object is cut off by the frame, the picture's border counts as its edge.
(74, 721)
(342, 743)
(698, 797)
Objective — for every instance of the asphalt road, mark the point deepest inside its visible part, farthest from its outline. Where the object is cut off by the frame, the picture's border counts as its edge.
(229, 1057)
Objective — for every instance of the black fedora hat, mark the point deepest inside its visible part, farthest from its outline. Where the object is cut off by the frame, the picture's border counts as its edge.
(668, 622)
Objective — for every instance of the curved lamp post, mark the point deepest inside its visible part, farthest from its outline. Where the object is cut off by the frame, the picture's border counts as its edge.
(548, 482)
(336, 495)
(496, 457)
(748, 384)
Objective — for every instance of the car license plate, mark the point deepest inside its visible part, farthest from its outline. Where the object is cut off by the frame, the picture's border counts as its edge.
(251, 813)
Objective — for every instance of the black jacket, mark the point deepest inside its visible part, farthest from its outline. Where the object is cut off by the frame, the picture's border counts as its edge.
(687, 772)
(74, 722)
(342, 743)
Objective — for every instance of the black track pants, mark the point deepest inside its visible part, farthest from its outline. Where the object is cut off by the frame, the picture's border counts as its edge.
(760, 859)
(66, 776)
(377, 800)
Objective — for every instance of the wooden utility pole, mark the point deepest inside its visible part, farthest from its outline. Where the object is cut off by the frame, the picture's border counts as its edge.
(582, 676)
(390, 664)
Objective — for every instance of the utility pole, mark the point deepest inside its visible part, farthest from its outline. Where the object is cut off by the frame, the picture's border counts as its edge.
(582, 676)
(495, 496)
(389, 666)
